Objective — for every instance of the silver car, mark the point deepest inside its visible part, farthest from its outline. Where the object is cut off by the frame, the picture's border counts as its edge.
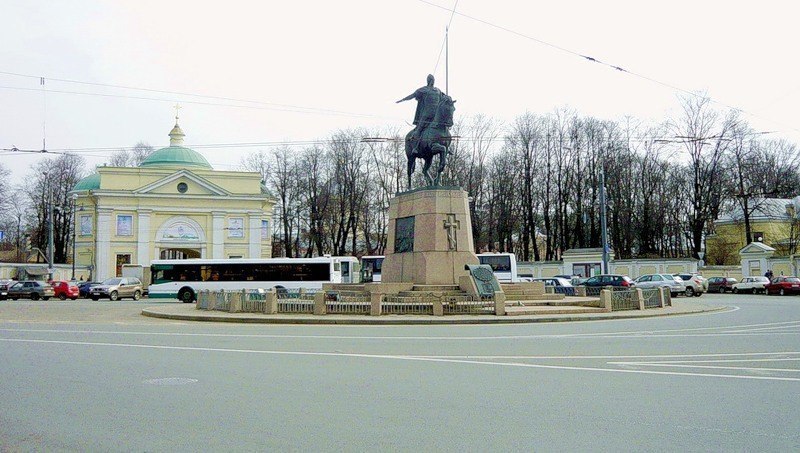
(675, 284)
(116, 288)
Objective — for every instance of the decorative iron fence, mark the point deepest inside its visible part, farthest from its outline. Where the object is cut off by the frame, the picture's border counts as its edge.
(652, 297)
(566, 290)
(397, 305)
(624, 300)
(458, 305)
(593, 291)
(347, 302)
(254, 301)
(667, 299)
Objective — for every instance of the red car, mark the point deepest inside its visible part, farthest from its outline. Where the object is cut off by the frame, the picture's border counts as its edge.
(65, 290)
(783, 285)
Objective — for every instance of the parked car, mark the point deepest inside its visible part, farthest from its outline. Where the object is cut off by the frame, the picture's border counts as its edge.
(4, 284)
(609, 280)
(695, 283)
(574, 279)
(30, 290)
(116, 288)
(560, 285)
(675, 284)
(783, 285)
(751, 285)
(83, 288)
(65, 290)
(721, 284)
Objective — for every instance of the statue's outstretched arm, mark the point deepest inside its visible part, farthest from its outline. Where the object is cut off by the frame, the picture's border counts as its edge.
(407, 98)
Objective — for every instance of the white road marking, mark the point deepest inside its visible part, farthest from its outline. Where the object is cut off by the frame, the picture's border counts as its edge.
(663, 333)
(406, 358)
(787, 370)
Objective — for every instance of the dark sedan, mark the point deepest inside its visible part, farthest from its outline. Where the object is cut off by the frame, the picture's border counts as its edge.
(783, 285)
(721, 284)
(609, 280)
(84, 287)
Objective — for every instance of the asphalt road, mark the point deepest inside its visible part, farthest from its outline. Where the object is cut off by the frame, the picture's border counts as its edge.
(97, 376)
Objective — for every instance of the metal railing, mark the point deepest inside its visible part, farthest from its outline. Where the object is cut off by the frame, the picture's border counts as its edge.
(593, 291)
(396, 305)
(254, 302)
(458, 305)
(652, 297)
(347, 302)
(624, 300)
(566, 290)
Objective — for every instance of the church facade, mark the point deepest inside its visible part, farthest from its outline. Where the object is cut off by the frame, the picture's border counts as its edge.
(174, 205)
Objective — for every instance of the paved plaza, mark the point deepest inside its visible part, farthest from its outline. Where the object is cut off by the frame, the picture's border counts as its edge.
(99, 376)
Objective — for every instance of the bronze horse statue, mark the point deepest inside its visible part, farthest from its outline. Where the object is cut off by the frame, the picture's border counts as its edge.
(435, 140)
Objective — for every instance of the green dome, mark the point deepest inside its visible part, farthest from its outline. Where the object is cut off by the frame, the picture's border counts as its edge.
(176, 156)
(91, 182)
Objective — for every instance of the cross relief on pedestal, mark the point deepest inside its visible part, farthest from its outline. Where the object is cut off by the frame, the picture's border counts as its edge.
(451, 225)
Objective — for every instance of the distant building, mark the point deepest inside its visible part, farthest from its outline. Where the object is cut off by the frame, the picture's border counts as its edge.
(774, 222)
(174, 205)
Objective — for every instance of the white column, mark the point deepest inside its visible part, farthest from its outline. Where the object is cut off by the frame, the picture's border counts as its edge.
(103, 244)
(217, 235)
(143, 238)
(254, 232)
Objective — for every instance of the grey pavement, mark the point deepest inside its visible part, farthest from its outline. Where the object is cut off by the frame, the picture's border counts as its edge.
(98, 376)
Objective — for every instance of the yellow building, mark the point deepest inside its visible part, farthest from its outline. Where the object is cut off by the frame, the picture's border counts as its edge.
(773, 223)
(173, 205)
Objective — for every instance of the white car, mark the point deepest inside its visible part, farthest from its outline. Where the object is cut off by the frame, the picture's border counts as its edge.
(675, 284)
(751, 285)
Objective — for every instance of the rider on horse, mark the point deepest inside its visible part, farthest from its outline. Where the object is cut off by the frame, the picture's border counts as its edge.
(428, 98)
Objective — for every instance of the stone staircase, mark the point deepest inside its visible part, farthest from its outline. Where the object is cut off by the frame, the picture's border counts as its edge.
(531, 299)
(525, 298)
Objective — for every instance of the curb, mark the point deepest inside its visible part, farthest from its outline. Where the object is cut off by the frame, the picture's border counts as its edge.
(409, 319)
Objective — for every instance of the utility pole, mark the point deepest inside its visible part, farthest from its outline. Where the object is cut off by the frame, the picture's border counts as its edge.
(603, 232)
(74, 227)
(50, 245)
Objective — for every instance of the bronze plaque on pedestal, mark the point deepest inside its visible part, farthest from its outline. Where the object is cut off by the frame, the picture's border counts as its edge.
(404, 235)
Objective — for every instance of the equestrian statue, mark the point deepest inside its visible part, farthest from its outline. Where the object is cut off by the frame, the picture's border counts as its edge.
(431, 136)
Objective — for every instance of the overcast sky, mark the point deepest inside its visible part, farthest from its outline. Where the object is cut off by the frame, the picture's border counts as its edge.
(317, 66)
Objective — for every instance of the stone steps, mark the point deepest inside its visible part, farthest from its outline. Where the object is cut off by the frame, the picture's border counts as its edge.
(355, 287)
(525, 297)
(435, 288)
(551, 310)
(550, 302)
(431, 293)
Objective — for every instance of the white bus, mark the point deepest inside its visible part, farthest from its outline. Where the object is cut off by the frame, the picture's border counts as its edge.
(372, 264)
(504, 266)
(182, 279)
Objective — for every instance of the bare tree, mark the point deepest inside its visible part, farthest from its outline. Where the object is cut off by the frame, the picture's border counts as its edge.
(50, 182)
(705, 136)
(131, 157)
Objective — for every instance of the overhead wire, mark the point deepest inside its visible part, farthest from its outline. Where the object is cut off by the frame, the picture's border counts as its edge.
(289, 107)
(609, 65)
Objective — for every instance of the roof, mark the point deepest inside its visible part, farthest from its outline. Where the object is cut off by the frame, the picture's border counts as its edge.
(763, 209)
(91, 182)
(176, 156)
